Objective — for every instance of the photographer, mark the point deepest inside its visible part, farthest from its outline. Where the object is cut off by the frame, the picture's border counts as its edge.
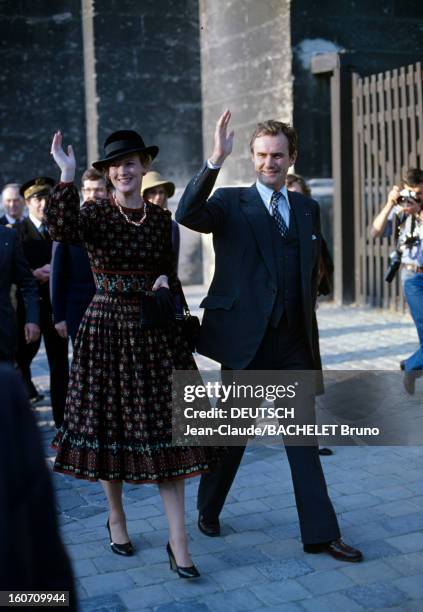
(403, 215)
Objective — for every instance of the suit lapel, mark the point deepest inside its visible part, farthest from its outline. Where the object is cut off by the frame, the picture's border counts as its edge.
(255, 212)
(31, 231)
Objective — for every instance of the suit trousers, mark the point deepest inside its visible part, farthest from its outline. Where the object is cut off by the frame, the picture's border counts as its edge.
(282, 348)
(57, 357)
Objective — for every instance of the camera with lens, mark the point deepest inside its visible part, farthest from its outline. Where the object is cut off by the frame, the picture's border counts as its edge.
(394, 264)
(408, 195)
(395, 256)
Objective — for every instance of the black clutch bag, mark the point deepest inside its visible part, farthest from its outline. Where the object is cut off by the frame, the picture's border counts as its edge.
(157, 308)
(190, 328)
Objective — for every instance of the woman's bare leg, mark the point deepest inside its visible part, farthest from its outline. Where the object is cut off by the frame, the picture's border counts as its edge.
(117, 519)
(173, 496)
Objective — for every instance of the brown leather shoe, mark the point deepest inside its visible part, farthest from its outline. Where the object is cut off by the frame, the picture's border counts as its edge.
(337, 549)
(209, 528)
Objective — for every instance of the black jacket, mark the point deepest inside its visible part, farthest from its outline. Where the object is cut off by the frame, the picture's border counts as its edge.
(14, 269)
(244, 286)
(32, 556)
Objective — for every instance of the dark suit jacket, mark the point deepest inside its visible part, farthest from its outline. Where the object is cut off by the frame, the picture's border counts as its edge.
(14, 270)
(72, 284)
(32, 556)
(3, 220)
(244, 287)
(37, 251)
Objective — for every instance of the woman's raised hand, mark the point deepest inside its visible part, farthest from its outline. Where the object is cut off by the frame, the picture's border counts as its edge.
(65, 161)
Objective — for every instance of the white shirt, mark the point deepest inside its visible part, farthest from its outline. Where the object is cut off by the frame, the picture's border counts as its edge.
(10, 220)
(35, 221)
(283, 204)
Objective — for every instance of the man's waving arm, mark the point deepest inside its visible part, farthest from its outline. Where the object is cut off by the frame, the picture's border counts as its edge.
(195, 210)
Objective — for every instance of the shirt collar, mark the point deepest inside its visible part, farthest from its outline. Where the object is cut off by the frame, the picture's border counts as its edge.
(35, 221)
(266, 194)
(10, 219)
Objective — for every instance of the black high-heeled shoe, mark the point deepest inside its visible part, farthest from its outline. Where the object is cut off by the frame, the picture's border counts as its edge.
(125, 550)
(183, 572)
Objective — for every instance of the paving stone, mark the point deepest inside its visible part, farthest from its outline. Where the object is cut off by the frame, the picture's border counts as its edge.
(188, 589)
(237, 577)
(144, 597)
(279, 592)
(377, 549)
(242, 556)
(376, 595)
(87, 550)
(412, 586)
(102, 603)
(369, 572)
(249, 538)
(237, 600)
(400, 508)
(320, 583)
(411, 542)
(331, 602)
(111, 562)
(281, 570)
(83, 567)
(409, 564)
(189, 606)
(106, 583)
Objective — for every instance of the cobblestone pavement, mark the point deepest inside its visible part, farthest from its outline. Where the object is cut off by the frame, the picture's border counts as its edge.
(258, 563)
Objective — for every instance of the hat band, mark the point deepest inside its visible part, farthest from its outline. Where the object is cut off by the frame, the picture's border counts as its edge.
(121, 146)
(36, 190)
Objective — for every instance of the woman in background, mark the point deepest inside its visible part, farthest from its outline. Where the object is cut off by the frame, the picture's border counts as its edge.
(157, 190)
(296, 182)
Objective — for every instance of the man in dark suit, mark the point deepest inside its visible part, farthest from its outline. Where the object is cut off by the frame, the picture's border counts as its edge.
(260, 306)
(37, 246)
(14, 269)
(32, 555)
(13, 204)
(72, 284)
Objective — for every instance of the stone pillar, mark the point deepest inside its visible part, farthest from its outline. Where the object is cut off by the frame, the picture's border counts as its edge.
(91, 100)
(147, 58)
(246, 66)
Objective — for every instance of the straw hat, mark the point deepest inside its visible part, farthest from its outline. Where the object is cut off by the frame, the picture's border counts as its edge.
(154, 179)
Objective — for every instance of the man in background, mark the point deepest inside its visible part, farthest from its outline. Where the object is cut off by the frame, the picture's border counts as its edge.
(72, 284)
(13, 204)
(37, 246)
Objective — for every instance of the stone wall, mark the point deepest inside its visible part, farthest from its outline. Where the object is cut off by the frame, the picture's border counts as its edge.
(246, 66)
(383, 34)
(42, 87)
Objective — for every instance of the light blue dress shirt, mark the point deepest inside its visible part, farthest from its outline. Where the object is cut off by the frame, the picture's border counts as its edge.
(283, 204)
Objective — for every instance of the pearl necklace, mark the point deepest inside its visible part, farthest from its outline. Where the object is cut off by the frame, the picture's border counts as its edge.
(125, 216)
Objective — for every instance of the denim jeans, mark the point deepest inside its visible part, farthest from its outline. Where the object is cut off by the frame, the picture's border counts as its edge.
(413, 291)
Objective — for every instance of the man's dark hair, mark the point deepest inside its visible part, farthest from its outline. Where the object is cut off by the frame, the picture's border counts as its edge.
(273, 128)
(413, 176)
(91, 174)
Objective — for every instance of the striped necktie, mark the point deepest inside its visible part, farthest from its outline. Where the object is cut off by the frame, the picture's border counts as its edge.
(279, 220)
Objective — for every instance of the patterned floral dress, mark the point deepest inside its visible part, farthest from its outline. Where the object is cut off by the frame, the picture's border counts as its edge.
(118, 415)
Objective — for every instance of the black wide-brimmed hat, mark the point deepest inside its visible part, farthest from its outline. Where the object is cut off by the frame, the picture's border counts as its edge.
(121, 143)
(41, 185)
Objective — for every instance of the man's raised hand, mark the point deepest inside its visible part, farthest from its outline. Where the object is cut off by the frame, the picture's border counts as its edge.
(65, 161)
(223, 142)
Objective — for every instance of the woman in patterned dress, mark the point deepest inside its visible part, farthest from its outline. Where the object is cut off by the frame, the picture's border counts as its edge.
(118, 413)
